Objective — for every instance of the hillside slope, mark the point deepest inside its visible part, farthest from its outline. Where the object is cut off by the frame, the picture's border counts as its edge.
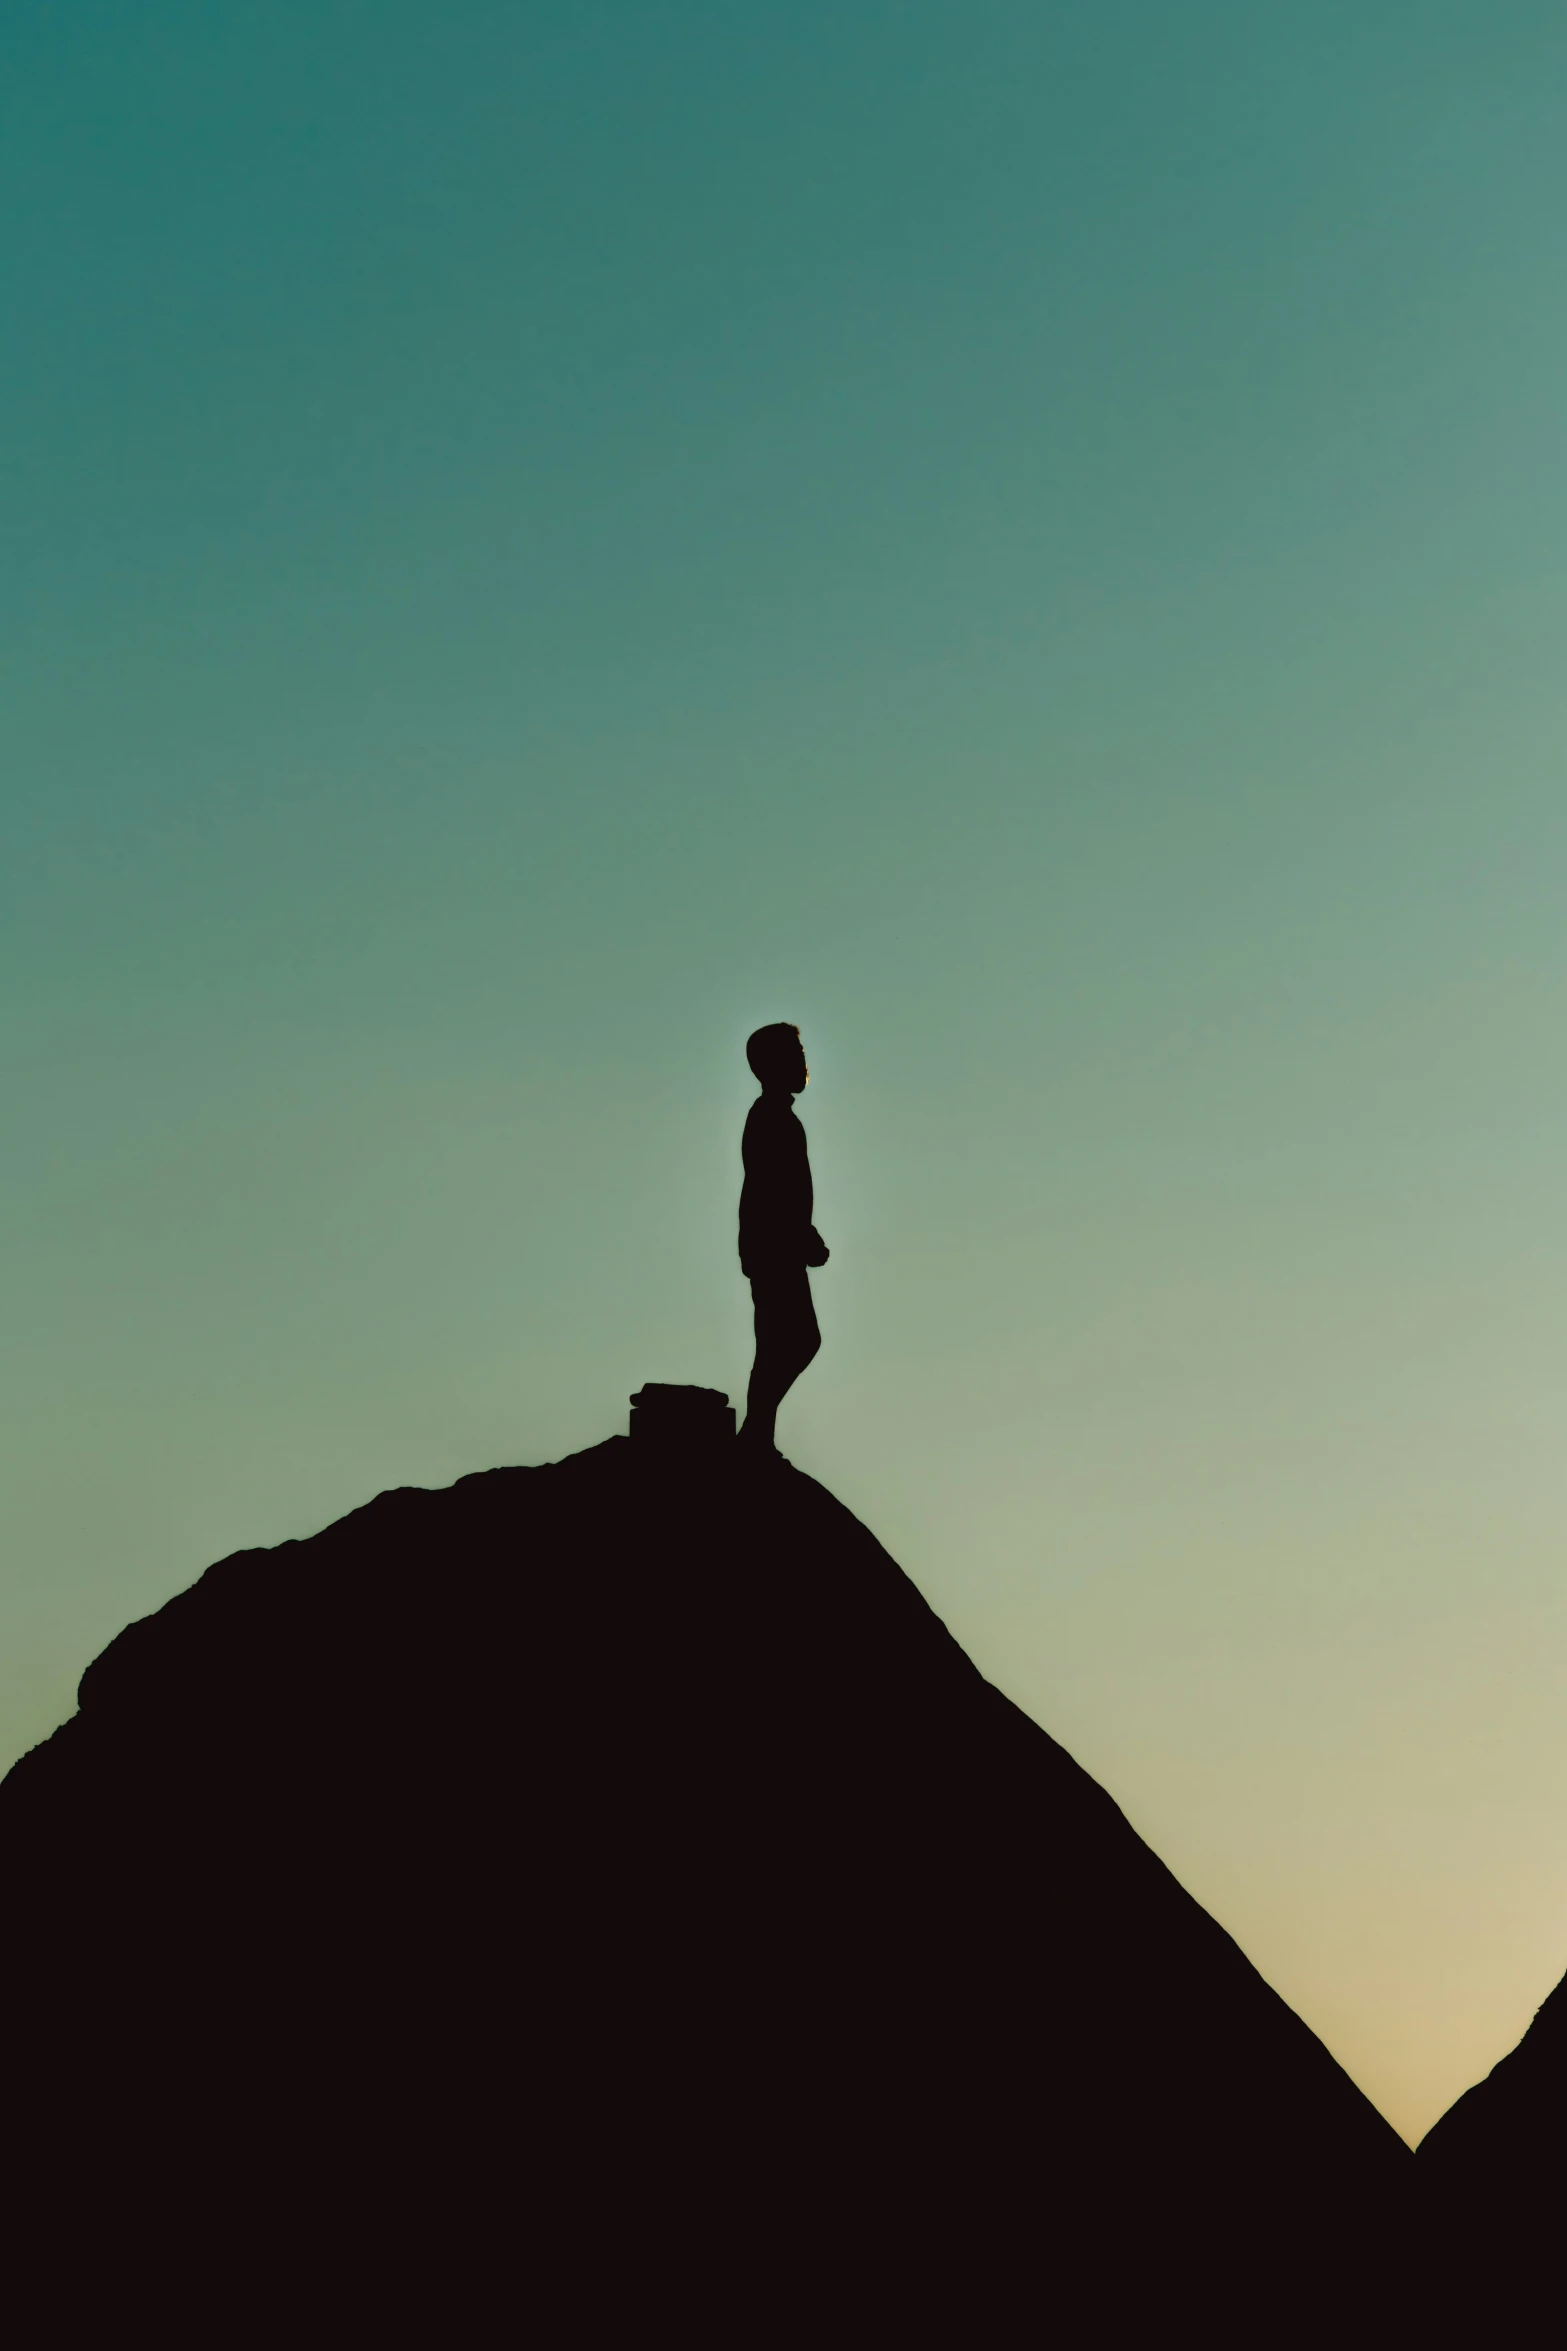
(605, 1893)
(1491, 2176)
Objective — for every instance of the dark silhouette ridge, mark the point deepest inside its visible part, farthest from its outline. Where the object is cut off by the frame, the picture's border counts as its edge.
(603, 1901)
(1492, 2179)
(778, 1242)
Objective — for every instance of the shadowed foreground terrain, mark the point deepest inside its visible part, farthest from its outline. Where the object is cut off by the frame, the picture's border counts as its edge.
(1492, 2179)
(604, 1896)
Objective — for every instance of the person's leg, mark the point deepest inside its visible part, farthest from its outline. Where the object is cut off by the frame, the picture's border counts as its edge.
(787, 1338)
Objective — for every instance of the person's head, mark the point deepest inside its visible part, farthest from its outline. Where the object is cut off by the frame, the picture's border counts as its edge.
(777, 1058)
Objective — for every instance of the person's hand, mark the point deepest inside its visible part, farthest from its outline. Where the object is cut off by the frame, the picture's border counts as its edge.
(816, 1250)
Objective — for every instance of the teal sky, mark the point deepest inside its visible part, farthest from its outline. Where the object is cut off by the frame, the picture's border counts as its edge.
(1026, 538)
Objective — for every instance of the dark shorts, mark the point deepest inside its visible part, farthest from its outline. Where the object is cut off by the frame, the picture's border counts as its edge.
(785, 1315)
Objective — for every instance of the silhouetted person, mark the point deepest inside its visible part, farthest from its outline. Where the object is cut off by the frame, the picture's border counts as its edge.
(778, 1242)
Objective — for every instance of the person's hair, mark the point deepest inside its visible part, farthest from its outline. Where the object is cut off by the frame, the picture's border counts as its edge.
(765, 1048)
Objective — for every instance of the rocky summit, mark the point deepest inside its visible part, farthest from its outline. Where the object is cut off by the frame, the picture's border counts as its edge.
(602, 1901)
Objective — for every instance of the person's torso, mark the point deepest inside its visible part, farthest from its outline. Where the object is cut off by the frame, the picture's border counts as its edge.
(775, 1197)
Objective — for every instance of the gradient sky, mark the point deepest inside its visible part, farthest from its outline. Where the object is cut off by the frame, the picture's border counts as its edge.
(1027, 538)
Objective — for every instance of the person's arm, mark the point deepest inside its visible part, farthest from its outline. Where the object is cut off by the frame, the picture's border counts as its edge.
(815, 1246)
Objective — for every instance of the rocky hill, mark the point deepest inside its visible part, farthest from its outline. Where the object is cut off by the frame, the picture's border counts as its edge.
(1491, 2178)
(603, 1900)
